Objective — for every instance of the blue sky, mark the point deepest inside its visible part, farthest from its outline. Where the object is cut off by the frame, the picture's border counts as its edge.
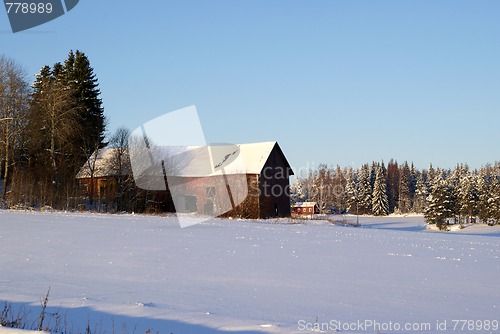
(338, 82)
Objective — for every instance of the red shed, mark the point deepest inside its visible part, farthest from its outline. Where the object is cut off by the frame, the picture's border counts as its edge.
(305, 209)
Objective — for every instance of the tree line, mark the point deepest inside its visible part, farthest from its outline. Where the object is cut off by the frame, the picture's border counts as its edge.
(458, 195)
(48, 129)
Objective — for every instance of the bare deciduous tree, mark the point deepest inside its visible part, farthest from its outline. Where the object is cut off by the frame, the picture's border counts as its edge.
(122, 168)
(14, 91)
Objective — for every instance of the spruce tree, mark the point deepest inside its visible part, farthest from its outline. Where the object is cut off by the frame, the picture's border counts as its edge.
(352, 191)
(439, 203)
(393, 176)
(431, 174)
(339, 184)
(380, 205)
(494, 196)
(404, 204)
(453, 180)
(413, 183)
(365, 190)
(85, 87)
(483, 193)
(468, 197)
(421, 193)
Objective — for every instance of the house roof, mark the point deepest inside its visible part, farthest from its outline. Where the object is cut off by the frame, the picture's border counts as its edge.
(103, 164)
(303, 204)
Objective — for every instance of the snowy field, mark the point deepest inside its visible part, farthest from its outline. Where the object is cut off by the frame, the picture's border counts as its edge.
(133, 273)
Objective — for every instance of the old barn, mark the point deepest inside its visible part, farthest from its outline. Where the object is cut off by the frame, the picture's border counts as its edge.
(256, 185)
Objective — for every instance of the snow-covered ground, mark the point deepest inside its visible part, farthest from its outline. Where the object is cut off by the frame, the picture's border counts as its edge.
(139, 272)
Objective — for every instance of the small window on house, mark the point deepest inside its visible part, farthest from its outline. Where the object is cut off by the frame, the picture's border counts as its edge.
(210, 191)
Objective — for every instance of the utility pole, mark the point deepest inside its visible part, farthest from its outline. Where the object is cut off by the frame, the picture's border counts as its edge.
(356, 198)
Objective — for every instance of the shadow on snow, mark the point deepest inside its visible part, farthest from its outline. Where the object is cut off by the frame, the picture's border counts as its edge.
(85, 319)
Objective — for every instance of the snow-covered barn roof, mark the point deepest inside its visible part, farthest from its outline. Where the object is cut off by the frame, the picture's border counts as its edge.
(187, 161)
(254, 156)
(238, 159)
(304, 204)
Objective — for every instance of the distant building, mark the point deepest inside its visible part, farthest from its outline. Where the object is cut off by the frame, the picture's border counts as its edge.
(305, 208)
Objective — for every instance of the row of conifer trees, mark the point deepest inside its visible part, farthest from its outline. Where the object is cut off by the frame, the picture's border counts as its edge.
(458, 195)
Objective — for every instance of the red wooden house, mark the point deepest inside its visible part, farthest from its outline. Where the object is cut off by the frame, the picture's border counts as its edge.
(305, 209)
